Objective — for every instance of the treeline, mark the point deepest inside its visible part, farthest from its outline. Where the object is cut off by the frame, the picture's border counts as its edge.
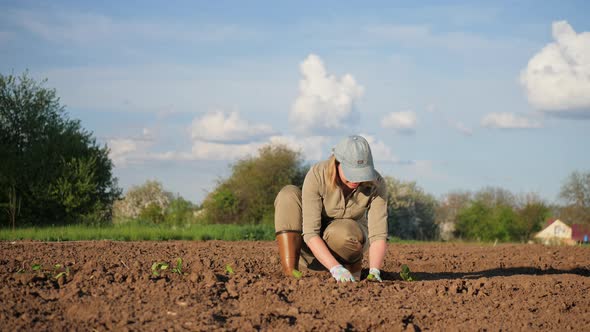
(247, 197)
(53, 172)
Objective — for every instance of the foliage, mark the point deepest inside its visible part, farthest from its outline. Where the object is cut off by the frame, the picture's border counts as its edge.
(495, 196)
(179, 212)
(178, 268)
(229, 269)
(247, 196)
(575, 191)
(532, 215)
(482, 222)
(405, 273)
(152, 214)
(52, 170)
(447, 210)
(410, 211)
(159, 267)
(297, 274)
(55, 272)
(149, 195)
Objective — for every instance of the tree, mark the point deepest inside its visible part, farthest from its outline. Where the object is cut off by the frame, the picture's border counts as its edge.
(410, 210)
(575, 191)
(532, 217)
(247, 196)
(447, 210)
(52, 170)
(532, 212)
(179, 212)
(495, 196)
(150, 195)
(483, 222)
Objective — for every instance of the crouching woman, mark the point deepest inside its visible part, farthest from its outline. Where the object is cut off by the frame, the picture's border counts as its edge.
(340, 213)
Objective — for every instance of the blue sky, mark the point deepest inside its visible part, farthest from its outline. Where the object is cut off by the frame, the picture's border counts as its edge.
(454, 95)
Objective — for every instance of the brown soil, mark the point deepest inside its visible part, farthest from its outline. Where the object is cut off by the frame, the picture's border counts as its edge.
(110, 286)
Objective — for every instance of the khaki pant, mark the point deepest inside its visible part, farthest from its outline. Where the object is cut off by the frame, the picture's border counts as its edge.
(345, 238)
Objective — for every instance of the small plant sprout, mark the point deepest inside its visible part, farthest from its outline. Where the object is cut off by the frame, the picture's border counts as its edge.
(370, 277)
(62, 273)
(36, 267)
(297, 274)
(228, 269)
(178, 268)
(158, 267)
(406, 273)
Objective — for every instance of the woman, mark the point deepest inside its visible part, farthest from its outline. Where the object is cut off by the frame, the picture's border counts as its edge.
(340, 213)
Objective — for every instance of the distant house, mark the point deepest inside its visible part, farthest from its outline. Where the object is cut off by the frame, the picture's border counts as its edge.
(557, 232)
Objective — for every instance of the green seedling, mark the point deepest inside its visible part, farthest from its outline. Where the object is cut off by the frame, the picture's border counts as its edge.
(370, 277)
(56, 272)
(178, 268)
(297, 274)
(228, 269)
(62, 273)
(158, 267)
(406, 273)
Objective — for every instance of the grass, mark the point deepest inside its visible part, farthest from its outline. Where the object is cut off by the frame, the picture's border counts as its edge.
(139, 232)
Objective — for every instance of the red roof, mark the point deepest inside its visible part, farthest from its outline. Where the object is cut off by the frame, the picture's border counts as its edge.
(550, 221)
(580, 231)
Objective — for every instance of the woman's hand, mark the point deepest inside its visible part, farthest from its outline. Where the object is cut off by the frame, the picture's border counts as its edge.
(374, 274)
(341, 274)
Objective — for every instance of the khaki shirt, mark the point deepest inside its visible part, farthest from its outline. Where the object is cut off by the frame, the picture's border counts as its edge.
(366, 204)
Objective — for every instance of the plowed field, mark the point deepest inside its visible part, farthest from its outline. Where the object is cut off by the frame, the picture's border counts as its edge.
(110, 286)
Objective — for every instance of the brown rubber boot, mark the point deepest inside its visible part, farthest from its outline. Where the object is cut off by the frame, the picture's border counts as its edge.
(289, 250)
(355, 269)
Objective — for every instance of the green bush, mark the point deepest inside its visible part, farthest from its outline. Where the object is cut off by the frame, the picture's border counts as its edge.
(411, 211)
(489, 223)
(152, 214)
(247, 196)
(52, 171)
(179, 212)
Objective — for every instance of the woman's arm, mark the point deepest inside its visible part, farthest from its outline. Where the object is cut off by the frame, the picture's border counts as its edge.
(312, 204)
(321, 252)
(377, 254)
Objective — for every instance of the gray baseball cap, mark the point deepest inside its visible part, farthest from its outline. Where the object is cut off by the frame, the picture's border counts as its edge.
(354, 154)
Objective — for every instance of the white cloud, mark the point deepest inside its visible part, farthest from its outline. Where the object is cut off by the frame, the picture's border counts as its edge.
(125, 150)
(557, 79)
(312, 147)
(230, 128)
(380, 150)
(120, 149)
(404, 122)
(325, 102)
(508, 121)
(203, 150)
